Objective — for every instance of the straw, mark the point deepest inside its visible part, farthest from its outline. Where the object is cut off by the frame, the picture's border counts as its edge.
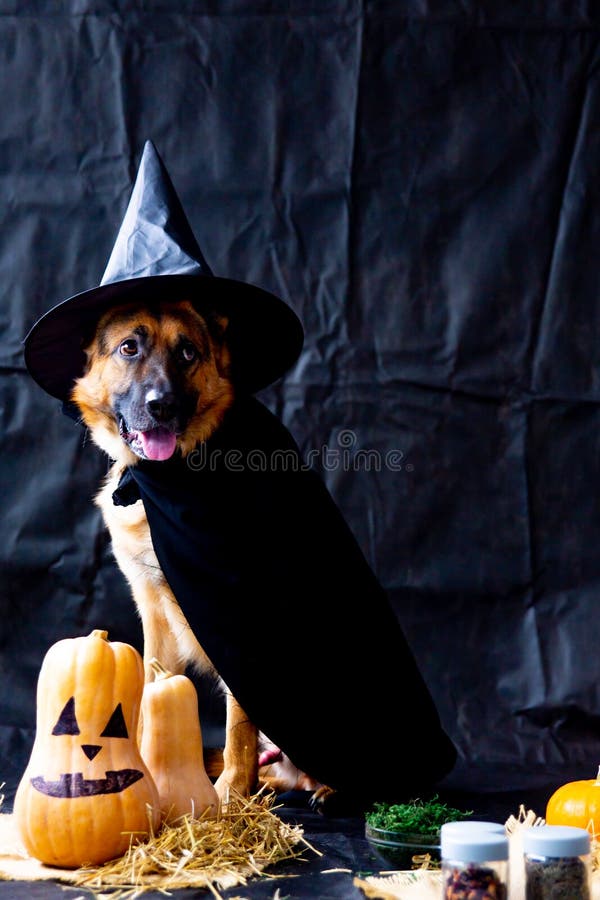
(244, 839)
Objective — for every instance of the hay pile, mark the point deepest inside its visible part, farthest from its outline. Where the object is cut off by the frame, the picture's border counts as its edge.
(246, 838)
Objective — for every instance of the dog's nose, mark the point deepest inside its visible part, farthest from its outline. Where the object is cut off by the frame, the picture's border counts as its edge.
(162, 406)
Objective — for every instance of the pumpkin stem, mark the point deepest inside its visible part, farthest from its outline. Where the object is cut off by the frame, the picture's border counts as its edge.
(99, 633)
(158, 669)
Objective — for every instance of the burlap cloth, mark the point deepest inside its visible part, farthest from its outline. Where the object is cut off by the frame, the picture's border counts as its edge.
(16, 865)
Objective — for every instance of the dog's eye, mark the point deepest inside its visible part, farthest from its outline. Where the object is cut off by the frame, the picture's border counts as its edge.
(187, 353)
(128, 347)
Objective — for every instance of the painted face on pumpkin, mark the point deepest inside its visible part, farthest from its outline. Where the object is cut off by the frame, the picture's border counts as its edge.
(73, 784)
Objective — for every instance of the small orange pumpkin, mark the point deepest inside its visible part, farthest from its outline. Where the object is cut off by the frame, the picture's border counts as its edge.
(86, 789)
(576, 803)
(171, 746)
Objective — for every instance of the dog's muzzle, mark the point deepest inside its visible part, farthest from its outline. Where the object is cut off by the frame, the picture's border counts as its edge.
(151, 417)
(156, 443)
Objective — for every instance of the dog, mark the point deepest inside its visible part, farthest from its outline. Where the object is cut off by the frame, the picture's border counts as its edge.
(158, 383)
(239, 560)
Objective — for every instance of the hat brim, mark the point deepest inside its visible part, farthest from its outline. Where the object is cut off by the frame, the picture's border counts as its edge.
(264, 333)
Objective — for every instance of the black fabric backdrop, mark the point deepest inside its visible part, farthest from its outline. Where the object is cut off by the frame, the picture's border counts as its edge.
(419, 180)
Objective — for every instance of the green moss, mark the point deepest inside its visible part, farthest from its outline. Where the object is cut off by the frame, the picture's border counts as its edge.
(417, 817)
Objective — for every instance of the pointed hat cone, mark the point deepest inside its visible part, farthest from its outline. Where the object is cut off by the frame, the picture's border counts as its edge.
(155, 237)
(157, 258)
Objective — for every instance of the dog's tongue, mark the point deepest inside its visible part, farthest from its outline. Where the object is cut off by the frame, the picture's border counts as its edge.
(158, 443)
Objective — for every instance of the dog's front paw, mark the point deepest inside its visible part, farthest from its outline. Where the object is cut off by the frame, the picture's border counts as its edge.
(278, 773)
(231, 783)
(321, 798)
(336, 804)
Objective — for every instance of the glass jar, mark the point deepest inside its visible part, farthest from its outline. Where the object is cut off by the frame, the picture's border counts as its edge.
(557, 863)
(474, 864)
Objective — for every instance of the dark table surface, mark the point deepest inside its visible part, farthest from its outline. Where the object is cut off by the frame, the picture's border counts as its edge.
(342, 843)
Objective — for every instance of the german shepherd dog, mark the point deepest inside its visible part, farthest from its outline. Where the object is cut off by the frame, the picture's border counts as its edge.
(158, 382)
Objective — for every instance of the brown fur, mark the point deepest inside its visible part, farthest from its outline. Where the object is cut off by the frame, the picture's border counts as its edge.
(107, 375)
(167, 635)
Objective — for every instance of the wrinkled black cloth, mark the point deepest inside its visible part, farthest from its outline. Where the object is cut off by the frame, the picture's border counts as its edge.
(283, 601)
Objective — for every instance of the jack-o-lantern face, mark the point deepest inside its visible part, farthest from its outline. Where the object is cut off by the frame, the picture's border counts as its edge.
(74, 784)
(86, 788)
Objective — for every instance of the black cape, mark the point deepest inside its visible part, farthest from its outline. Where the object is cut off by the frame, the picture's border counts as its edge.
(276, 588)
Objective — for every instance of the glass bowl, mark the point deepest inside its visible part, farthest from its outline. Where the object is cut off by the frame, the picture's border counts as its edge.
(398, 849)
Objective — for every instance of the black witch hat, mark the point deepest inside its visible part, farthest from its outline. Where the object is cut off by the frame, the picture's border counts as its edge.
(156, 257)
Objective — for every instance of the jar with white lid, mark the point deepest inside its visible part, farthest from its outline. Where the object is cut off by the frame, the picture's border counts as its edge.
(557, 863)
(474, 864)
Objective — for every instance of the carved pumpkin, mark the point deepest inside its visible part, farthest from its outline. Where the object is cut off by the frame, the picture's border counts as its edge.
(171, 746)
(576, 803)
(86, 788)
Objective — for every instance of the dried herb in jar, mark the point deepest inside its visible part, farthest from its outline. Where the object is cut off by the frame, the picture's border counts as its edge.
(561, 878)
(474, 883)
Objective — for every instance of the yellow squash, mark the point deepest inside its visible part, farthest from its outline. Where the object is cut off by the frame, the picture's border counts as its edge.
(576, 803)
(86, 789)
(171, 746)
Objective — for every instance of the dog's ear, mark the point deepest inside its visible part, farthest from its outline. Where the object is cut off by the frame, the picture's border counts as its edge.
(217, 325)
